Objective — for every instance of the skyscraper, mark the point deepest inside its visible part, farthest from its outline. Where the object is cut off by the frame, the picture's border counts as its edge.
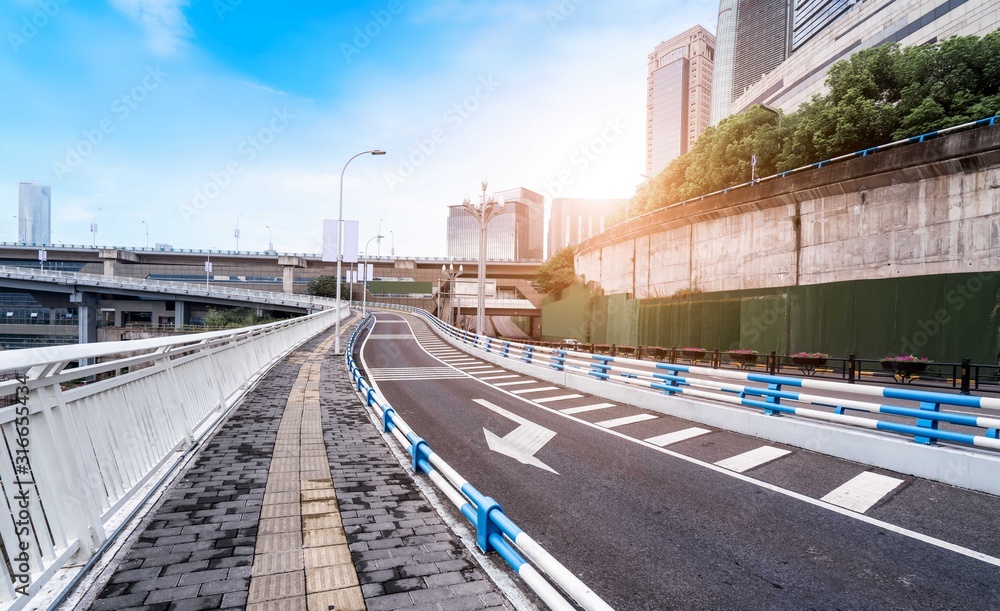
(678, 96)
(514, 235)
(34, 220)
(823, 32)
(753, 41)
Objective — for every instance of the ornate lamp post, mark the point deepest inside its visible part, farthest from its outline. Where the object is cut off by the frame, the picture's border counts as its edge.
(448, 272)
(484, 212)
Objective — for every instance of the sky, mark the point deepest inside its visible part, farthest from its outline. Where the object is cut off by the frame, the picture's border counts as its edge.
(192, 116)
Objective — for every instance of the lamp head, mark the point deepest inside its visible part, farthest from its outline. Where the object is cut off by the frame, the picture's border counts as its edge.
(378, 152)
(501, 203)
(461, 268)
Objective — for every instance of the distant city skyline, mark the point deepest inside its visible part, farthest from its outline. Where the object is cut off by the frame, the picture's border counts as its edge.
(34, 213)
(182, 116)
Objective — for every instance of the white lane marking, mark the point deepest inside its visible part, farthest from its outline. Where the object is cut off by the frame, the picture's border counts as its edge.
(610, 424)
(411, 370)
(586, 408)
(802, 498)
(515, 383)
(754, 458)
(391, 336)
(506, 377)
(481, 372)
(860, 493)
(521, 443)
(676, 436)
(527, 390)
(478, 367)
(559, 398)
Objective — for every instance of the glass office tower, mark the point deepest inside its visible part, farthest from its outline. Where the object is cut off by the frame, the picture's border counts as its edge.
(34, 206)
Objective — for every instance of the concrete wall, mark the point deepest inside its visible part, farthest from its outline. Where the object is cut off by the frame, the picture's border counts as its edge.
(929, 208)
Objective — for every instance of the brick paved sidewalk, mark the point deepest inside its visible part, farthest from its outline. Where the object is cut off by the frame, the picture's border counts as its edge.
(206, 546)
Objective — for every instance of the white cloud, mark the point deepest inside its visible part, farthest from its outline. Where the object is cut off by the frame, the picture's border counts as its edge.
(163, 21)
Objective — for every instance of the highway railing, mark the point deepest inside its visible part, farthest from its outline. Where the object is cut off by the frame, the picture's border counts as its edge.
(766, 393)
(84, 442)
(494, 530)
(173, 288)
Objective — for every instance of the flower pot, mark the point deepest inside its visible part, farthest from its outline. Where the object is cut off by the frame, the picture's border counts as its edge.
(812, 361)
(693, 355)
(745, 361)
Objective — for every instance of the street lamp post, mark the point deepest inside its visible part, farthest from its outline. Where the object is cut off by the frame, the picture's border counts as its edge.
(340, 244)
(147, 233)
(484, 212)
(448, 272)
(392, 244)
(237, 232)
(364, 280)
(270, 239)
(93, 226)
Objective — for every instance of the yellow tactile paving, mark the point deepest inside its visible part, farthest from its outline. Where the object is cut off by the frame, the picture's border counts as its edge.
(301, 558)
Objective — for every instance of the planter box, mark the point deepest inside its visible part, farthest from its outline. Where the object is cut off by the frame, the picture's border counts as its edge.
(902, 371)
(745, 361)
(808, 361)
(694, 355)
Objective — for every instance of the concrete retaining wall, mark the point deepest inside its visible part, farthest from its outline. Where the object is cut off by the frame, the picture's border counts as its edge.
(929, 208)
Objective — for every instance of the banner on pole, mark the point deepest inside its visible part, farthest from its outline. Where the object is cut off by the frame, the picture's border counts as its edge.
(350, 241)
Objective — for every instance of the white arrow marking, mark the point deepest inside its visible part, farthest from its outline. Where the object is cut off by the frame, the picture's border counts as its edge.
(521, 443)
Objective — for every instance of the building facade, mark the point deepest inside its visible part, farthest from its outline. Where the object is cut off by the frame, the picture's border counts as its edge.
(752, 40)
(514, 235)
(573, 220)
(678, 96)
(825, 32)
(34, 213)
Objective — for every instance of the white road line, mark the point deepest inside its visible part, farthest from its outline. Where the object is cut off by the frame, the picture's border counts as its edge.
(586, 408)
(391, 336)
(478, 367)
(559, 398)
(514, 383)
(506, 377)
(676, 436)
(610, 424)
(479, 373)
(527, 390)
(860, 493)
(754, 458)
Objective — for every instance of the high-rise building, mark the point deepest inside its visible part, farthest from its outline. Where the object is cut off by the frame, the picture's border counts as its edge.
(752, 41)
(824, 32)
(34, 219)
(573, 220)
(514, 235)
(722, 69)
(678, 96)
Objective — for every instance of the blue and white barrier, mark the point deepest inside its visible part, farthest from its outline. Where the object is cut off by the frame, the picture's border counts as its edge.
(494, 530)
(705, 383)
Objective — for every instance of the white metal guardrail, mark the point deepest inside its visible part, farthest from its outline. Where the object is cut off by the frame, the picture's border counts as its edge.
(768, 395)
(80, 442)
(173, 288)
(494, 530)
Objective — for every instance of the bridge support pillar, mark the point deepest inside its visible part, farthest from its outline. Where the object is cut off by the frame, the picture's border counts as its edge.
(182, 314)
(109, 268)
(288, 265)
(87, 315)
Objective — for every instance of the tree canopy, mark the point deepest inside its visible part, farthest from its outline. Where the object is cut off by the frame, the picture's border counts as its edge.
(326, 286)
(876, 96)
(558, 272)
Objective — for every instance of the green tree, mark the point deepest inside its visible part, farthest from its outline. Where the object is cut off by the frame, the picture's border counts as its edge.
(326, 286)
(233, 318)
(558, 272)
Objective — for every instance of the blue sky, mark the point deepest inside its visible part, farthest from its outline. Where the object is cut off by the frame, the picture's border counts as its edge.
(186, 114)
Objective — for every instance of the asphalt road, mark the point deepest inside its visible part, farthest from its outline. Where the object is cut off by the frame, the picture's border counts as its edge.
(651, 527)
